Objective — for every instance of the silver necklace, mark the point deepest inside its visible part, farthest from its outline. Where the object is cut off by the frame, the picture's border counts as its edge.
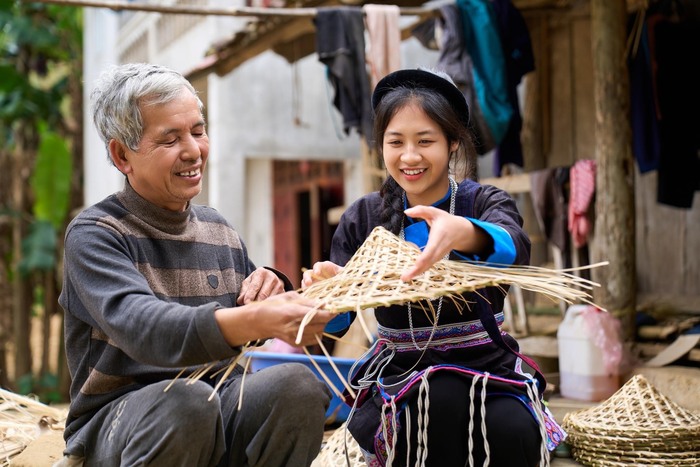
(402, 235)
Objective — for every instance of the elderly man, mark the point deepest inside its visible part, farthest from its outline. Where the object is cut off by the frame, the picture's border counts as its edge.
(156, 287)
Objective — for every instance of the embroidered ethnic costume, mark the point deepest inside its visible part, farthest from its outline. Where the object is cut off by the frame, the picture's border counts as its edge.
(445, 363)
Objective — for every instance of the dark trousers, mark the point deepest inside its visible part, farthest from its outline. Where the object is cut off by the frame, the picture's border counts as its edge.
(280, 423)
(513, 434)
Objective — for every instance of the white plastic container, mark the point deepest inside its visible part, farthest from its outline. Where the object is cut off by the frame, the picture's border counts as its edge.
(582, 364)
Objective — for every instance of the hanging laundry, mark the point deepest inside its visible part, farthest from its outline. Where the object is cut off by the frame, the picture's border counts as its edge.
(549, 193)
(519, 60)
(455, 61)
(581, 193)
(483, 44)
(426, 34)
(674, 36)
(384, 48)
(646, 144)
(340, 44)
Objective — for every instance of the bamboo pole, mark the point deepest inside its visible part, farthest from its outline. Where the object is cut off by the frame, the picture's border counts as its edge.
(614, 219)
(200, 10)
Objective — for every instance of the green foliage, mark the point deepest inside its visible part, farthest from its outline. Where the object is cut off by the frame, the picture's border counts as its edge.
(36, 44)
(38, 248)
(51, 179)
(35, 40)
(40, 72)
(45, 387)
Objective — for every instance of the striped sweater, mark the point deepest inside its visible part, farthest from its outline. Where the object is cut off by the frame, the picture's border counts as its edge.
(140, 287)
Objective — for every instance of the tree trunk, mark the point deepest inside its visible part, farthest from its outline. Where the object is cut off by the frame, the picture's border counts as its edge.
(614, 208)
(21, 290)
(50, 309)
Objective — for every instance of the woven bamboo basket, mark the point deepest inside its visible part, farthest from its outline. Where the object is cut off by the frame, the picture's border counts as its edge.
(636, 426)
(340, 450)
(372, 278)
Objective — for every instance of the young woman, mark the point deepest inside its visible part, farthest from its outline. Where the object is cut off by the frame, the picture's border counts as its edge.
(447, 389)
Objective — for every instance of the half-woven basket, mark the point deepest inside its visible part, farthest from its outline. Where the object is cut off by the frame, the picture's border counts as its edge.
(637, 425)
(372, 277)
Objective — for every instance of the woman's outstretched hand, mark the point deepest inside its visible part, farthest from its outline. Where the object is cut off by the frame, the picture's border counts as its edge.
(447, 232)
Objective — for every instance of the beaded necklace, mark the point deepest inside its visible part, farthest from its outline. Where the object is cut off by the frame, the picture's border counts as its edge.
(402, 235)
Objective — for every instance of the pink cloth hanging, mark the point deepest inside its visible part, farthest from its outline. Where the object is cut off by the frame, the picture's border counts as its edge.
(384, 44)
(582, 190)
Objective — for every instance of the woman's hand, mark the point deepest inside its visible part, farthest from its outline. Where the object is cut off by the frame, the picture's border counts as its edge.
(319, 271)
(447, 232)
(259, 285)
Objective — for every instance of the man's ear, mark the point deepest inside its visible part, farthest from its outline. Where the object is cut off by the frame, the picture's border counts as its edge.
(117, 151)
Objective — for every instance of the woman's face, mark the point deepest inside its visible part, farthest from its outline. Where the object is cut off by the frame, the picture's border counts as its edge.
(417, 155)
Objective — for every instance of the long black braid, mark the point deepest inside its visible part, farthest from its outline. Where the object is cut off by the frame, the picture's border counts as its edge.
(392, 205)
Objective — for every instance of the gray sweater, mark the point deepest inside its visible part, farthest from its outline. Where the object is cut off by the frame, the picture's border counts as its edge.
(140, 287)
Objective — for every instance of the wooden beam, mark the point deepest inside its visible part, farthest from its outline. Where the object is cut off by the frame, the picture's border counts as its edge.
(513, 184)
(120, 5)
(289, 30)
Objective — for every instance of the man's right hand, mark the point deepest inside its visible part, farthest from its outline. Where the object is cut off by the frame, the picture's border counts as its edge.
(279, 316)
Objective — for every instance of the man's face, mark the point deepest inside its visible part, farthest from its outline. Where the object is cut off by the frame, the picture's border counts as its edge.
(168, 166)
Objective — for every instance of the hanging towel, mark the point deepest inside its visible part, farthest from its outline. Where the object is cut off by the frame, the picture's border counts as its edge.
(489, 71)
(384, 49)
(582, 190)
(340, 44)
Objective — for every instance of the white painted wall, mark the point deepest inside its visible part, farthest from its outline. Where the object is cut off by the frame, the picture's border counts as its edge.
(100, 51)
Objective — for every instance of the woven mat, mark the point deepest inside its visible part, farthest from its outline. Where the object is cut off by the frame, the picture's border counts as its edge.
(636, 426)
(372, 278)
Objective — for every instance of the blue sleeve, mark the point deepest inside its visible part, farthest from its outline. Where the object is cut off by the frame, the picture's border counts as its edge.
(503, 247)
(339, 323)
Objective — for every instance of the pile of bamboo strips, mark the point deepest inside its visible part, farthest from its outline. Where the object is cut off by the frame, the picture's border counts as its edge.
(22, 420)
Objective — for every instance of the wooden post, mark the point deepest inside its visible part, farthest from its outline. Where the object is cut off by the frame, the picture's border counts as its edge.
(614, 208)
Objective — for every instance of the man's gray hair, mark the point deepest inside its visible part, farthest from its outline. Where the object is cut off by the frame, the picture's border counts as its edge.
(120, 92)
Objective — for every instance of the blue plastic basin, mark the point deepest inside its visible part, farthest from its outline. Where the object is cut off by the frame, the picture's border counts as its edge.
(338, 410)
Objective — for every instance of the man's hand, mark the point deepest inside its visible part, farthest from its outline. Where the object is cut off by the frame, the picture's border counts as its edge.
(280, 316)
(284, 315)
(261, 284)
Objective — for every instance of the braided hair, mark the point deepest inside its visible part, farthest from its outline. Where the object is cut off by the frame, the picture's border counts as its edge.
(462, 161)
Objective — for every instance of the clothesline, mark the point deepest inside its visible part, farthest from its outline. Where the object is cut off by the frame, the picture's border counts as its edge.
(205, 10)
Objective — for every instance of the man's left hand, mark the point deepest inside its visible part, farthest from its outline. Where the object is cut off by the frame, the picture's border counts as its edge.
(261, 284)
